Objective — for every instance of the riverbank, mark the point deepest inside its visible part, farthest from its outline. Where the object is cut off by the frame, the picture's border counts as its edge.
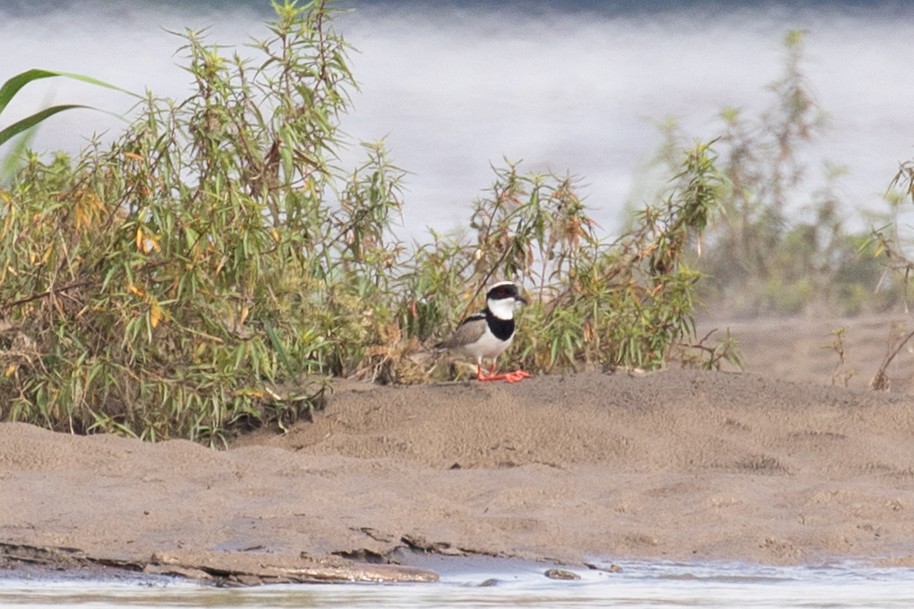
(580, 469)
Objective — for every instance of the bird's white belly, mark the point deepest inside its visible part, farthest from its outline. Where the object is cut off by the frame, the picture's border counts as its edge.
(487, 346)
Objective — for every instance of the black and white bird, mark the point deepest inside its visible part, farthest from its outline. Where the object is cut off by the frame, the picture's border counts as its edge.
(488, 333)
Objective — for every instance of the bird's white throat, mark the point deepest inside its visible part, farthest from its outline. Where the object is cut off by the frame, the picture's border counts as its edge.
(502, 308)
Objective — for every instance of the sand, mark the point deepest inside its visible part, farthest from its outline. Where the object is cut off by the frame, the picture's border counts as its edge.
(773, 465)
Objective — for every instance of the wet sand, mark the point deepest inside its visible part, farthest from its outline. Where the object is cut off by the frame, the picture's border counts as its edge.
(774, 465)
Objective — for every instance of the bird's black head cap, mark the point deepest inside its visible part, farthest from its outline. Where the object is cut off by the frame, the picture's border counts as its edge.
(504, 290)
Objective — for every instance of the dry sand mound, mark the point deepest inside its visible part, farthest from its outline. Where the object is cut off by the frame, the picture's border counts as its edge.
(590, 467)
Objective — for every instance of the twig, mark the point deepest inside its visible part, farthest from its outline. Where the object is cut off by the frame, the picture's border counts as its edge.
(881, 373)
(44, 294)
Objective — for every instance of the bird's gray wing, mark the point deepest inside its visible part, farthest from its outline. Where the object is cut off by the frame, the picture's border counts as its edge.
(469, 331)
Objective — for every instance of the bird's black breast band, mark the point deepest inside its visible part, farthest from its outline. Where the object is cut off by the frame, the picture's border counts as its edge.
(501, 328)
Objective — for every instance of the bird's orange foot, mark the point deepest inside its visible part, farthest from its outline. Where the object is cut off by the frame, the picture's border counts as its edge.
(517, 376)
(508, 377)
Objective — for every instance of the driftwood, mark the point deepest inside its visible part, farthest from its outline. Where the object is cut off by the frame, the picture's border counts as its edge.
(219, 568)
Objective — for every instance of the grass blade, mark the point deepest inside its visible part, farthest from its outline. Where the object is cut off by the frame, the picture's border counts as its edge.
(33, 120)
(14, 84)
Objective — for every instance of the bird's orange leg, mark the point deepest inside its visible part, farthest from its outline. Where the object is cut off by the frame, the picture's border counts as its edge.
(479, 375)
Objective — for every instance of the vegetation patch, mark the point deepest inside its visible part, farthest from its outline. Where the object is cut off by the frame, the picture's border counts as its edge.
(209, 270)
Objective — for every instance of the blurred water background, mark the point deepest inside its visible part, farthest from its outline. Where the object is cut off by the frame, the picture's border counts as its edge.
(575, 86)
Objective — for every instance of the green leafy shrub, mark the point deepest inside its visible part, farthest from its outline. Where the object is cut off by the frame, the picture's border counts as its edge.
(776, 248)
(626, 302)
(161, 287)
(210, 269)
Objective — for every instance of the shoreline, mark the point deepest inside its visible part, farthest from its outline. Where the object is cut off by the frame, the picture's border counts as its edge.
(207, 569)
(67, 565)
(678, 465)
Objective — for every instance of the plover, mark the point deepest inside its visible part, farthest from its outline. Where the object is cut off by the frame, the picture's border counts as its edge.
(488, 333)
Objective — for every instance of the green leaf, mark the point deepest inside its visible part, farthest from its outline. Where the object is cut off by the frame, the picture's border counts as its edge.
(12, 86)
(17, 152)
(280, 350)
(17, 82)
(33, 120)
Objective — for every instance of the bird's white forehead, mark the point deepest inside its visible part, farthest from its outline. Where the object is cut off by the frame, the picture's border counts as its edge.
(500, 283)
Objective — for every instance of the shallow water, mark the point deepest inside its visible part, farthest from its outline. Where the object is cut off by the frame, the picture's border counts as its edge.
(638, 585)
